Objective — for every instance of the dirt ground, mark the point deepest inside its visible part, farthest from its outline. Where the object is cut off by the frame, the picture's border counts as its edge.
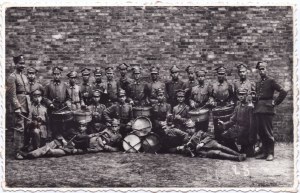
(150, 170)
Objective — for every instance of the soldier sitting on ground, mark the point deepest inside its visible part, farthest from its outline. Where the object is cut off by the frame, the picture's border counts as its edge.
(204, 145)
(106, 140)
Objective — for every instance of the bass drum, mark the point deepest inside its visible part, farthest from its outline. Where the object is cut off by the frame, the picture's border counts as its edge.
(151, 143)
(141, 126)
(132, 143)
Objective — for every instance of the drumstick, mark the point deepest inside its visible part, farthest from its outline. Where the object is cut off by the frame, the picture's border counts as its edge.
(60, 109)
(25, 117)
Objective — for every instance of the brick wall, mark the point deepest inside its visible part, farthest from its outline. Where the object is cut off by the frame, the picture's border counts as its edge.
(202, 36)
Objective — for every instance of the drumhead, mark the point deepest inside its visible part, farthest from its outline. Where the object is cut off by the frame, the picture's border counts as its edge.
(151, 143)
(132, 143)
(141, 126)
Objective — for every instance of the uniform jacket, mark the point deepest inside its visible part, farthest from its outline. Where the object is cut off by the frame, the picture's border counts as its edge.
(124, 84)
(138, 93)
(34, 85)
(242, 120)
(171, 88)
(17, 92)
(181, 110)
(160, 111)
(151, 90)
(74, 97)
(201, 137)
(222, 93)
(201, 94)
(118, 111)
(112, 89)
(100, 108)
(265, 95)
(57, 93)
(86, 91)
(238, 84)
(38, 110)
(108, 138)
(188, 85)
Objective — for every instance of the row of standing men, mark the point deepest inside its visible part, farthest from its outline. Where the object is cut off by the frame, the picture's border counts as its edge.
(198, 93)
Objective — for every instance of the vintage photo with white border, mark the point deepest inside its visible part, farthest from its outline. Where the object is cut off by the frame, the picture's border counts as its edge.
(149, 96)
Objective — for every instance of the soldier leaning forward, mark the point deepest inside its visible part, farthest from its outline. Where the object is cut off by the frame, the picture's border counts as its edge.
(160, 111)
(121, 111)
(204, 145)
(181, 111)
(39, 132)
(173, 85)
(97, 109)
(241, 125)
(200, 97)
(86, 87)
(107, 140)
(17, 89)
(264, 110)
(154, 85)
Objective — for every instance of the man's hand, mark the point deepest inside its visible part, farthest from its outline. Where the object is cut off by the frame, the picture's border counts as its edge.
(273, 103)
(18, 111)
(51, 106)
(177, 117)
(193, 104)
(108, 124)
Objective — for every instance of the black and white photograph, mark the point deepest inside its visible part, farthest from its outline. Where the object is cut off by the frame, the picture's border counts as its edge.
(149, 97)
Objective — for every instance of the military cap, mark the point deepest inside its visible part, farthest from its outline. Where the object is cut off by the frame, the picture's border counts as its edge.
(32, 70)
(82, 122)
(261, 65)
(123, 66)
(242, 91)
(190, 123)
(57, 69)
(115, 122)
(160, 91)
(96, 93)
(122, 92)
(201, 71)
(109, 69)
(19, 59)
(37, 92)
(154, 70)
(174, 69)
(242, 67)
(97, 71)
(180, 92)
(190, 69)
(136, 70)
(72, 74)
(85, 71)
(221, 70)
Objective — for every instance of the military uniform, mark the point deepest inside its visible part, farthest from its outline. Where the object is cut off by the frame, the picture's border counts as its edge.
(112, 87)
(190, 83)
(180, 112)
(97, 109)
(39, 133)
(122, 112)
(172, 86)
(74, 95)
(17, 93)
(242, 124)
(264, 109)
(137, 90)
(199, 97)
(124, 82)
(86, 87)
(153, 86)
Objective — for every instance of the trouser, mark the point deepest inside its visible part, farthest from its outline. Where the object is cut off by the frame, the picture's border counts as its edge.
(265, 131)
(217, 154)
(248, 150)
(21, 129)
(38, 140)
(203, 126)
(18, 141)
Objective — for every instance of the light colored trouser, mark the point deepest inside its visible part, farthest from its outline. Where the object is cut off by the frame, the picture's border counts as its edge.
(49, 149)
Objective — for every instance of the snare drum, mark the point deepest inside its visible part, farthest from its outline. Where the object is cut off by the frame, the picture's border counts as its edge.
(132, 143)
(62, 116)
(80, 115)
(141, 111)
(151, 143)
(199, 115)
(141, 126)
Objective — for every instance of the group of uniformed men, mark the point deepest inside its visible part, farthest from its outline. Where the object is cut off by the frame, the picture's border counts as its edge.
(111, 103)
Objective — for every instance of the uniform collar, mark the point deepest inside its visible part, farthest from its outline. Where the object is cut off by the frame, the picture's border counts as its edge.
(32, 82)
(56, 82)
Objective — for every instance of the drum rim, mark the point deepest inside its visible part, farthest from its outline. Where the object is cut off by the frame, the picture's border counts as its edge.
(141, 108)
(140, 142)
(144, 118)
(193, 111)
(158, 146)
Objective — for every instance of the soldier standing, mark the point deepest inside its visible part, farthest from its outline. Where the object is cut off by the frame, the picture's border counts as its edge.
(173, 85)
(264, 110)
(188, 85)
(17, 91)
(111, 86)
(137, 88)
(86, 87)
(243, 83)
(153, 87)
(121, 111)
(180, 111)
(98, 122)
(124, 81)
(201, 97)
(74, 101)
(223, 96)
